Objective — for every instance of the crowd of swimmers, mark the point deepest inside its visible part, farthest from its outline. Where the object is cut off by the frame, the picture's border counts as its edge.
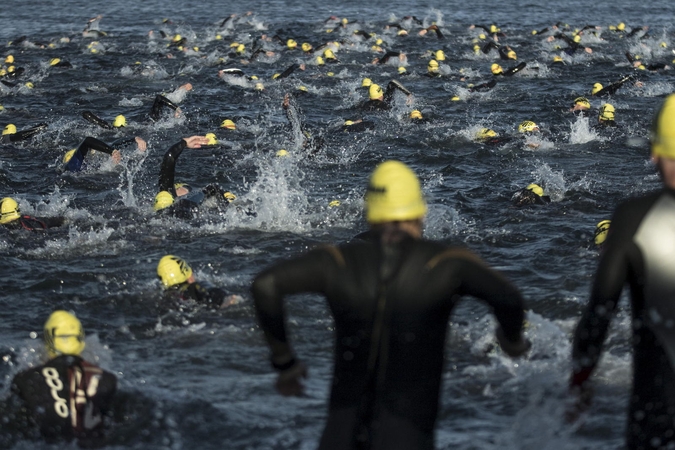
(406, 287)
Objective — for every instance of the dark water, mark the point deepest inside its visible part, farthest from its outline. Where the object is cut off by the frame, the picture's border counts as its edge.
(201, 379)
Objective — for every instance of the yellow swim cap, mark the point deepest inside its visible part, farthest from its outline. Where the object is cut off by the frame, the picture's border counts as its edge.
(10, 128)
(54, 61)
(306, 47)
(536, 189)
(68, 156)
(320, 61)
(9, 210)
(348, 123)
(511, 54)
(496, 69)
(402, 70)
(577, 38)
(229, 124)
(328, 54)
(597, 87)
(527, 127)
(663, 130)
(601, 230)
(259, 87)
(291, 44)
(439, 55)
(482, 36)
(582, 101)
(29, 85)
(433, 66)
(606, 113)
(334, 203)
(394, 194)
(177, 38)
(173, 270)
(241, 48)
(621, 26)
(63, 334)
(402, 33)
(557, 58)
(163, 199)
(416, 114)
(281, 153)
(120, 121)
(494, 29)
(212, 138)
(229, 196)
(366, 82)
(375, 92)
(9, 59)
(485, 133)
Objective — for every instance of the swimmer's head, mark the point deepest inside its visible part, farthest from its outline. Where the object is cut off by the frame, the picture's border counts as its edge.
(375, 92)
(663, 130)
(511, 54)
(601, 230)
(366, 82)
(558, 59)
(229, 196)
(9, 59)
(9, 210)
(496, 69)
(10, 128)
(281, 153)
(581, 103)
(120, 121)
(394, 194)
(320, 61)
(528, 127)
(211, 138)
(621, 26)
(439, 55)
(433, 66)
(577, 38)
(606, 113)
(485, 133)
(328, 54)
(173, 270)
(63, 334)
(163, 199)
(415, 114)
(69, 155)
(306, 47)
(229, 124)
(291, 44)
(597, 87)
(54, 61)
(535, 188)
(402, 70)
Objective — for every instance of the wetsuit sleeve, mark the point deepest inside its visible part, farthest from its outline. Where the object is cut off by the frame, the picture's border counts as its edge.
(610, 277)
(288, 71)
(123, 142)
(27, 134)
(307, 273)
(167, 172)
(479, 281)
(159, 103)
(89, 143)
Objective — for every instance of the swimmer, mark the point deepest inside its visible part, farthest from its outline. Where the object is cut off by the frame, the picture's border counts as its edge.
(379, 100)
(533, 194)
(178, 199)
(600, 234)
(73, 160)
(581, 107)
(383, 291)
(357, 126)
(10, 134)
(606, 117)
(66, 397)
(180, 283)
(11, 218)
(292, 110)
(637, 252)
(498, 70)
(599, 90)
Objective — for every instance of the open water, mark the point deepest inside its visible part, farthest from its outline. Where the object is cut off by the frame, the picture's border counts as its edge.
(201, 378)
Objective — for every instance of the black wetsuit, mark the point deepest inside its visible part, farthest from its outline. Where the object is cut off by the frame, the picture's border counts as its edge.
(639, 251)
(612, 88)
(527, 197)
(391, 305)
(199, 292)
(385, 103)
(76, 162)
(65, 398)
(159, 104)
(23, 134)
(186, 206)
(31, 223)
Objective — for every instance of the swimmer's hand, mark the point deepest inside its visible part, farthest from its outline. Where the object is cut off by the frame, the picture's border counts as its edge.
(196, 141)
(142, 145)
(231, 300)
(289, 380)
(580, 396)
(513, 349)
(116, 156)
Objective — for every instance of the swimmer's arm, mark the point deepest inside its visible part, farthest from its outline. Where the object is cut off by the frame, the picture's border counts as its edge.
(306, 273)
(611, 275)
(27, 134)
(167, 172)
(91, 143)
(480, 281)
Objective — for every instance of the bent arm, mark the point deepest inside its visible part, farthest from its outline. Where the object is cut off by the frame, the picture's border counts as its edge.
(306, 273)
